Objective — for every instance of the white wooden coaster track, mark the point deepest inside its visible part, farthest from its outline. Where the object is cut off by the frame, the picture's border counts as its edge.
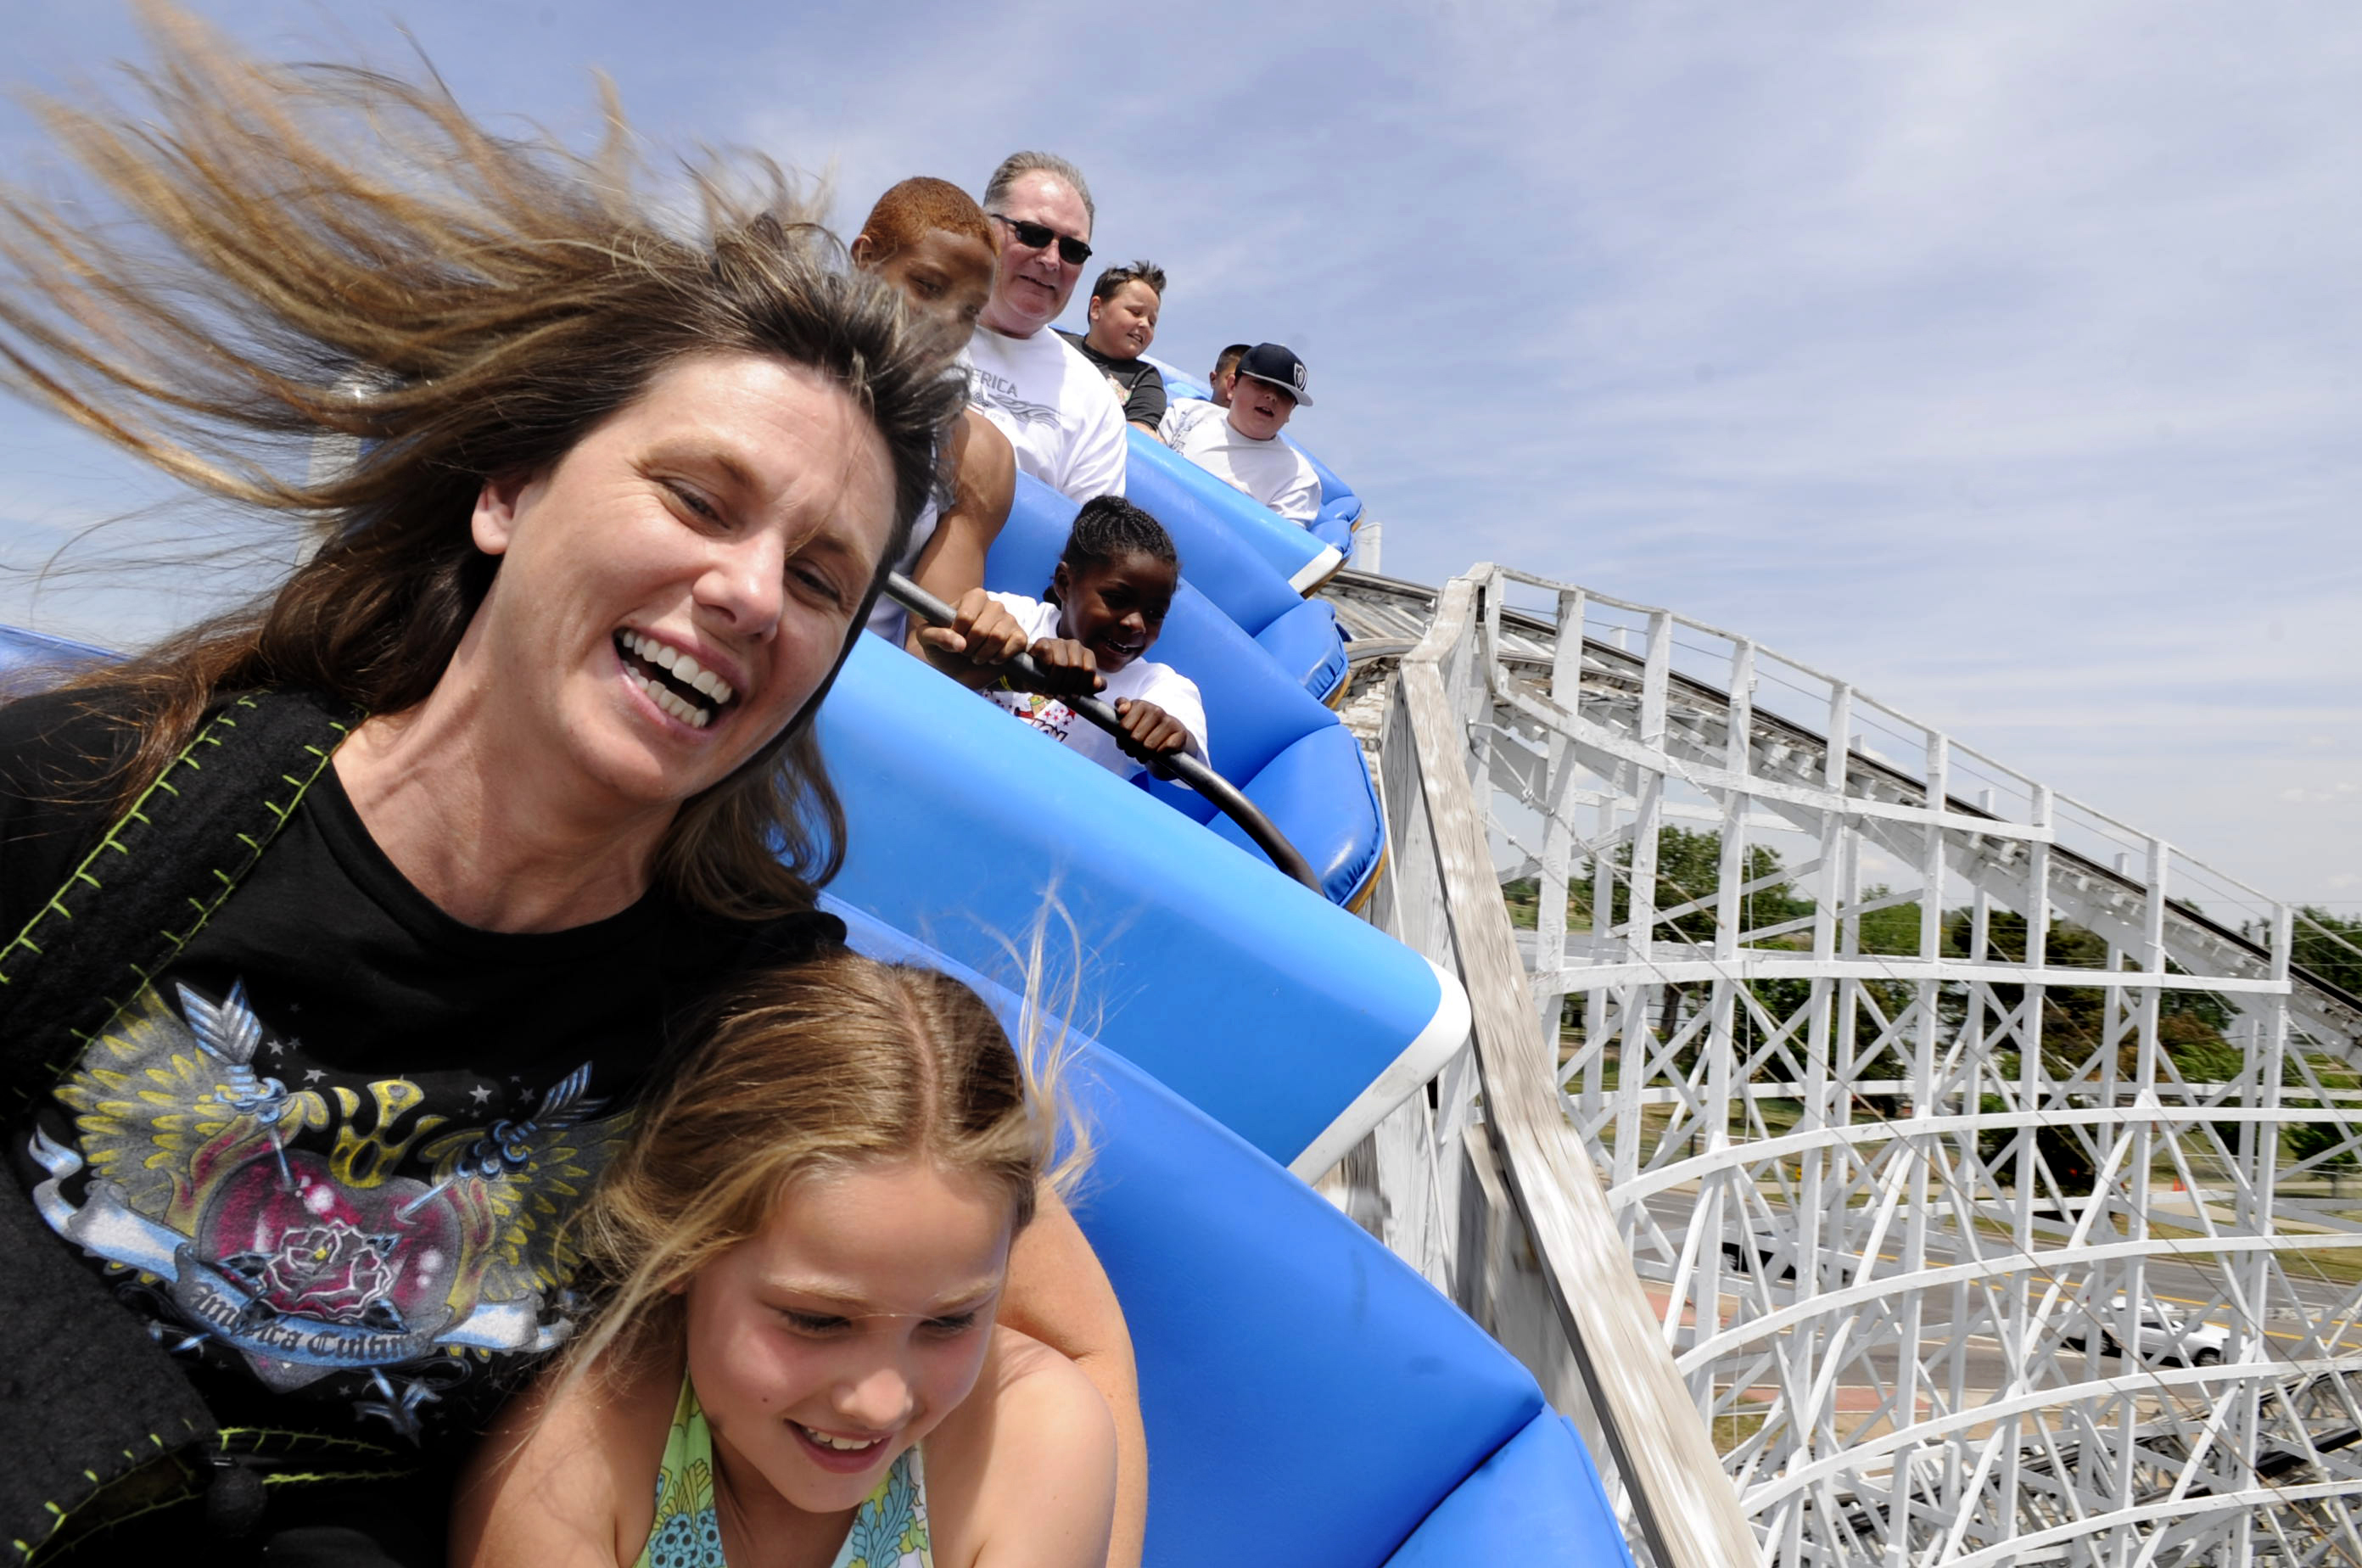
(1905, 1184)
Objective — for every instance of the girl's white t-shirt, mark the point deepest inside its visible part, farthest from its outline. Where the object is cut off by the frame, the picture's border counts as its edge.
(1143, 679)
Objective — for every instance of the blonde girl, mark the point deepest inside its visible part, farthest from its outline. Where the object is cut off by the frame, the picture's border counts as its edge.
(797, 1363)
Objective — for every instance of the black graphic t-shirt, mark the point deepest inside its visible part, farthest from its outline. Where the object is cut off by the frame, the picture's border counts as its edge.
(1138, 384)
(327, 1152)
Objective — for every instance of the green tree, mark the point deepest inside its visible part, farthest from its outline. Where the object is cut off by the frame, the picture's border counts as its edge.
(2064, 1153)
(2308, 1140)
(1689, 870)
(2329, 947)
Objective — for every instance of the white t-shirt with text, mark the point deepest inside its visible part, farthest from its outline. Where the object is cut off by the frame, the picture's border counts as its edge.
(1272, 472)
(1054, 406)
(1143, 679)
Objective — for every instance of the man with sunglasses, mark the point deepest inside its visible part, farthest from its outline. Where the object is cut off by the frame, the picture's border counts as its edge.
(1050, 402)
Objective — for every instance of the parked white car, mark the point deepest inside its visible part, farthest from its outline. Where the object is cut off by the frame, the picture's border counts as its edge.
(2165, 1336)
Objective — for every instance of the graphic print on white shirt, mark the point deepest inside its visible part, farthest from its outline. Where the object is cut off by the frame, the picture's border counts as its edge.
(1054, 406)
(1143, 679)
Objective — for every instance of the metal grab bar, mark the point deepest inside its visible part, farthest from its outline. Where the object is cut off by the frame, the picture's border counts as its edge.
(1224, 794)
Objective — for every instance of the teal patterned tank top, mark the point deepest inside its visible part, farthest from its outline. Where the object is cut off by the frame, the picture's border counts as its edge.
(889, 1530)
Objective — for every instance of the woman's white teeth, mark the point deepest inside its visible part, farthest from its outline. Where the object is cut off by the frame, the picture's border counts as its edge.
(842, 1445)
(682, 667)
(671, 701)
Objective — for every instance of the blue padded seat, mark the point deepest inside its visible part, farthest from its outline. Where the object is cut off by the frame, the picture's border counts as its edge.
(1333, 489)
(1309, 1400)
(977, 831)
(1291, 756)
(1178, 384)
(1335, 525)
(1309, 648)
(1192, 503)
(1341, 509)
(1537, 1500)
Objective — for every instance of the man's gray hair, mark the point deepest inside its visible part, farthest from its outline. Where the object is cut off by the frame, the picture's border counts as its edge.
(1019, 165)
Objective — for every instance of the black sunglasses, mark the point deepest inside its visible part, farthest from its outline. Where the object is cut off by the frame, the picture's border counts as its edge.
(1072, 251)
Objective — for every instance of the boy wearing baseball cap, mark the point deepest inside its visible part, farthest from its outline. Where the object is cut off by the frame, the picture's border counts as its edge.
(1240, 445)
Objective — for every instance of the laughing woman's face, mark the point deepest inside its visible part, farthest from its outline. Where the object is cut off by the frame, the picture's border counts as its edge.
(676, 588)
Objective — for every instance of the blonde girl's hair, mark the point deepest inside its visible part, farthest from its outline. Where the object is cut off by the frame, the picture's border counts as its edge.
(822, 1066)
(296, 252)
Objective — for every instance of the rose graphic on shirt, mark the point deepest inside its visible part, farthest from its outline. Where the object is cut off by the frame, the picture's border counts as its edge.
(330, 1271)
(390, 1236)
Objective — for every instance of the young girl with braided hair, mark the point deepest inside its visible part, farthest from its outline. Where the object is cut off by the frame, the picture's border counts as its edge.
(1091, 632)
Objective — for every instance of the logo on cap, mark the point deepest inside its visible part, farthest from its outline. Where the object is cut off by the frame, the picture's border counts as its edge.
(1277, 364)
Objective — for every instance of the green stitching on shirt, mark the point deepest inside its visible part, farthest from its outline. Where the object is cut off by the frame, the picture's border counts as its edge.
(173, 940)
(82, 872)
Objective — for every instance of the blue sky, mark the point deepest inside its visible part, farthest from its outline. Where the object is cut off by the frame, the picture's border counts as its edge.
(2000, 357)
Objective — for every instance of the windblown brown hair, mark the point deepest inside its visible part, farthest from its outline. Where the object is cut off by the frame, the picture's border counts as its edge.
(326, 250)
(837, 1062)
(1112, 281)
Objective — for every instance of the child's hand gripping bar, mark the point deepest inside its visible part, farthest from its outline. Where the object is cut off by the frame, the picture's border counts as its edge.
(1179, 765)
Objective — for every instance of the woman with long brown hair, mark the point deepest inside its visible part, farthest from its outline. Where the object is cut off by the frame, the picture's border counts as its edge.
(342, 931)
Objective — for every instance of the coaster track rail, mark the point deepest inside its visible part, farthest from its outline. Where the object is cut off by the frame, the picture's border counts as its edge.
(1880, 1208)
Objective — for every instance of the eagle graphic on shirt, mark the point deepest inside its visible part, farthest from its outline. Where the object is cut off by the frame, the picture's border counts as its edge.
(1025, 412)
(314, 1230)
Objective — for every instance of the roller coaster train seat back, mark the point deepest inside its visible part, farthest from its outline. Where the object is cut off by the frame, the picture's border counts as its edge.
(29, 661)
(1290, 756)
(1341, 509)
(1189, 502)
(970, 829)
(1300, 635)
(1309, 1400)
(1178, 382)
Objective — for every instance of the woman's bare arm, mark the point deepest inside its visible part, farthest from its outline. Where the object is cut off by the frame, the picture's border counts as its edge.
(1023, 1475)
(1059, 1294)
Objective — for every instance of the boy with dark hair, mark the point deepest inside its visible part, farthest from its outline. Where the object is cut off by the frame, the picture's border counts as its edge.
(1124, 305)
(1226, 372)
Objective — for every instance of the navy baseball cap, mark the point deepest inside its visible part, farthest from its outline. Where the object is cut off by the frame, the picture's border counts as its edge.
(1277, 363)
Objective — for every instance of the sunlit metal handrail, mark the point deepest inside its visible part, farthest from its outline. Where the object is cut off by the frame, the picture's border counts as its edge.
(1687, 1512)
